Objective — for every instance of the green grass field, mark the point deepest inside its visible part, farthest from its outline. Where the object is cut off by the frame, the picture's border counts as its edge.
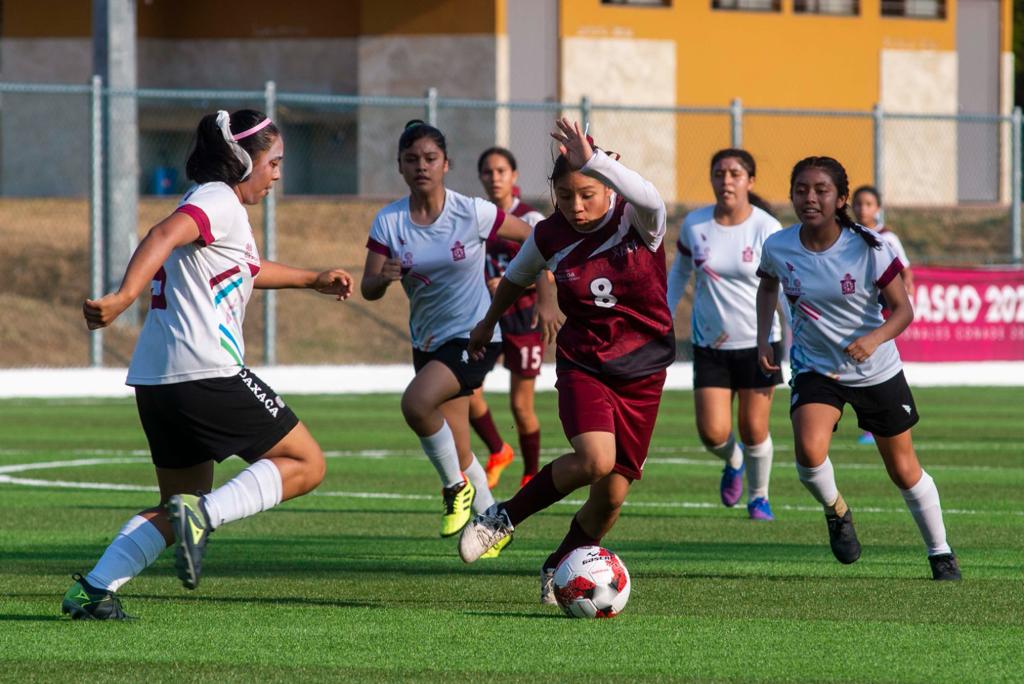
(352, 583)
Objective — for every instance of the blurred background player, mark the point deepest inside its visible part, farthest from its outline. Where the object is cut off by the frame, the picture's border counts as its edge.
(521, 343)
(867, 209)
(722, 244)
(604, 247)
(833, 272)
(433, 242)
(197, 401)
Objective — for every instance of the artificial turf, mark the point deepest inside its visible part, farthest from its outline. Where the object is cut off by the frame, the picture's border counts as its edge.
(350, 583)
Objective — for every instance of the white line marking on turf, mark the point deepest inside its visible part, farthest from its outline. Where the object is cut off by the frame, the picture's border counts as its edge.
(110, 486)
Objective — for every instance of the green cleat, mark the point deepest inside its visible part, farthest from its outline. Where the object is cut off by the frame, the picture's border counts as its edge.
(496, 550)
(85, 602)
(191, 528)
(458, 503)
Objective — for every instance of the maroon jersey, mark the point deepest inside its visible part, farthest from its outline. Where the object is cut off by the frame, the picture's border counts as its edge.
(518, 318)
(611, 288)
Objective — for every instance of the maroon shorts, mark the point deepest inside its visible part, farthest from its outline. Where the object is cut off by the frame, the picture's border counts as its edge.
(626, 408)
(524, 353)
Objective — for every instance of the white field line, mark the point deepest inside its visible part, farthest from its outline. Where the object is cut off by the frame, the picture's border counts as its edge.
(109, 486)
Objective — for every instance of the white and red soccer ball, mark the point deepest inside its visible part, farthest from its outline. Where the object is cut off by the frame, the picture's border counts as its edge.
(591, 582)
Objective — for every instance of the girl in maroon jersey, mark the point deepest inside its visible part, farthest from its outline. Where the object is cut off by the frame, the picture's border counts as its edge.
(604, 246)
(521, 339)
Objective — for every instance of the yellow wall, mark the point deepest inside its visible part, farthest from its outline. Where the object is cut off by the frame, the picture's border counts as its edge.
(769, 59)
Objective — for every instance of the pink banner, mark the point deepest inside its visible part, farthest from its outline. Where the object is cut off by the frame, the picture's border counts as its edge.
(965, 314)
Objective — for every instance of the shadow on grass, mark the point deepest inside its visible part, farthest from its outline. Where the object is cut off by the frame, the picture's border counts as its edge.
(31, 618)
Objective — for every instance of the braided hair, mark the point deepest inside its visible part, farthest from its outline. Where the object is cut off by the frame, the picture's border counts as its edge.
(839, 178)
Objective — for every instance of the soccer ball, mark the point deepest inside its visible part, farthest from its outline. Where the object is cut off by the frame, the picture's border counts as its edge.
(591, 582)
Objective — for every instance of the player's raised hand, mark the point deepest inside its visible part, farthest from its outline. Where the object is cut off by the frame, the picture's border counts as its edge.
(572, 143)
(334, 282)
(479, 338)
(99, 313)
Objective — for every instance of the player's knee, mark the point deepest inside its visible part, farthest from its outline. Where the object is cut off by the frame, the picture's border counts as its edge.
(414, 411)
(597, 465)
(522, 410)
(711, 437)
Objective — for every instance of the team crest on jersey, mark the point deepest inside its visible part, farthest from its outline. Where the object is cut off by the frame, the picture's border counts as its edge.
(250, 255)
(748, 255)
(848, 284)
(458, 251)
(407, 260)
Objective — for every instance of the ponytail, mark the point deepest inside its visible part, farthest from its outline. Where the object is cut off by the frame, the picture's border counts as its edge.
(761, 203)
(844, 220)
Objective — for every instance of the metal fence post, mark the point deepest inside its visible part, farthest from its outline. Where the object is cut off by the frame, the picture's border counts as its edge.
(270, 248)
(431, 106)
(585, 111)
(96, 216)
(878, 139)
(736, 121)
(1015, 191)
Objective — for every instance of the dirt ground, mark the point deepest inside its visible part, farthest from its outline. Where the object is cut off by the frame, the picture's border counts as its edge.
(44, 259)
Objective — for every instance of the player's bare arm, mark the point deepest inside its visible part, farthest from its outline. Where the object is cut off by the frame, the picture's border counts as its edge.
(547, 315)
(275, 276)
(767, 300)
(176, 230)
(505, 296)
(514, 228)
(901, 315)
(378, 273)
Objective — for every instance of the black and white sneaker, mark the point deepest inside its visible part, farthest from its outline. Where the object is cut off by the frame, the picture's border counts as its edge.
(944, 566)
(842, 537)
(547, 587)
(484, 531)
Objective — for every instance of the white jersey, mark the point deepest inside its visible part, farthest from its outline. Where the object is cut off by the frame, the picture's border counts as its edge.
(893, 241)
(725, 258)
(194, 326)
(834, 299)
(442, 265)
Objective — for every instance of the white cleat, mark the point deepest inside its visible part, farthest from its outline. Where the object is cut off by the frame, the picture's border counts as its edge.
(547, 587)
(482, 532)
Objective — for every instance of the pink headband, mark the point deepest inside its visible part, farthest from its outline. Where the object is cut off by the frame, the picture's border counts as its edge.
(255, 129)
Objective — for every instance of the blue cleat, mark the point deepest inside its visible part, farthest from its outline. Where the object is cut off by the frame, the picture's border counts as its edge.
(731, 487)
(760, 509)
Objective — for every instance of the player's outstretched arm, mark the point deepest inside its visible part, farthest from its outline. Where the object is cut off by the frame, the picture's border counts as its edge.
(275, 276)
(514, 228)
(505, 296)
(176, 230)
(767, 300)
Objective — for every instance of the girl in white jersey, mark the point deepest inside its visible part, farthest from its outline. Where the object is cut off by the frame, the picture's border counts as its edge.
(722, 244)
(833, 273)
(197, 401)
(433, 241)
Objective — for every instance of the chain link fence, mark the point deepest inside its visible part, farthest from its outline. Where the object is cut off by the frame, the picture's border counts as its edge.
(85, 172)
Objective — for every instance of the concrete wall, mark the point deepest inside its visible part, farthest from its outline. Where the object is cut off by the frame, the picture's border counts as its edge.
(920, 156)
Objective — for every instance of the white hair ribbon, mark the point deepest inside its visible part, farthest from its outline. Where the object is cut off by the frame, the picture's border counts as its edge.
(224, 124)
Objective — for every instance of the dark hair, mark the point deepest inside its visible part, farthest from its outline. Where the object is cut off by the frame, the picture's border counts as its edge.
(416, 129)
(507, 154)
(871, 190)
(212, 159)
(746, 160)
(839, 178)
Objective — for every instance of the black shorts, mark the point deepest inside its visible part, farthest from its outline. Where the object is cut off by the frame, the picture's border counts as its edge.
(885, 409)
(455, 355)
(188, 423)
(733, 368)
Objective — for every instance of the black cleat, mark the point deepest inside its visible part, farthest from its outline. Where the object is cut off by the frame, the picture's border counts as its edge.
(842, 537)
(85, 602)
(191, 530)
(944, 566)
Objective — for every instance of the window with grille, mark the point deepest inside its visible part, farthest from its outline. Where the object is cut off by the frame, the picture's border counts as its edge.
(915, 9)
(846, 8)
(748, 5)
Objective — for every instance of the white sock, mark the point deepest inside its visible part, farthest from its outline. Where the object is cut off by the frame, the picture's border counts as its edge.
(759, 467)
(440, 449)
(820, 482)
(255, 489)
(923, 501)
(134, 548)
(483, 499)
(729, 451)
